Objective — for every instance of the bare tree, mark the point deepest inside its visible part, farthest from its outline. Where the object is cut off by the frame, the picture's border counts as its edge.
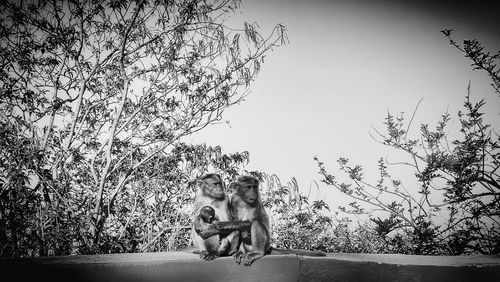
(101, 88)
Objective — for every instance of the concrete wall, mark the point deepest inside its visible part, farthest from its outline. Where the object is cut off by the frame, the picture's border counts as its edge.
(178, 266)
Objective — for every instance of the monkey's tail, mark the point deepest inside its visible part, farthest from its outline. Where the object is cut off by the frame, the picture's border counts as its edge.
(275, 251)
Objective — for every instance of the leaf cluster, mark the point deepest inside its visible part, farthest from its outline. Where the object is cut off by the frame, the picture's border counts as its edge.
(458, 180)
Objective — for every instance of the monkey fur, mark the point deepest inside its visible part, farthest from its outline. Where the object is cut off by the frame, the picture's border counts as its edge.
(212, 203)
(251, 219)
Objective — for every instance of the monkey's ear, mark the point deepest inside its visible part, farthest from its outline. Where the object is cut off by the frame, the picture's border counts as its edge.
(199, 182)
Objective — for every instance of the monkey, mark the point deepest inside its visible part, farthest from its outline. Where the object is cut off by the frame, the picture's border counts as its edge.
(251, 219)
(203, 223)
(211, 192)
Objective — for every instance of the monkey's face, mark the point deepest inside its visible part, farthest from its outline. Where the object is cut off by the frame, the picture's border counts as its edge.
(209, 220)
(249, 193)
(213, 188)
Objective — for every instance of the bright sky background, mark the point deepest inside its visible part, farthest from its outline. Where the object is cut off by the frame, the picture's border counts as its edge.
(347, 64)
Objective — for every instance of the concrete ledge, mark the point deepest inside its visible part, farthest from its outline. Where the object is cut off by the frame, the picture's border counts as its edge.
(178, 266)
(375, 267)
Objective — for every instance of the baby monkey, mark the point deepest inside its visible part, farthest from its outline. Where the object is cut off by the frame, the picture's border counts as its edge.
(203, 223)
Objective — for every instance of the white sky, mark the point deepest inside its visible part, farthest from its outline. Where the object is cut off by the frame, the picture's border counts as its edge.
(347, 63)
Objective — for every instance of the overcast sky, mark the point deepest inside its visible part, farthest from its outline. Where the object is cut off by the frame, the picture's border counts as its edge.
(347, 64)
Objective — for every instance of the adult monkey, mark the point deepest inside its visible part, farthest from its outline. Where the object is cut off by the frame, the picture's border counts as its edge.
(252, 220)
(211, 192)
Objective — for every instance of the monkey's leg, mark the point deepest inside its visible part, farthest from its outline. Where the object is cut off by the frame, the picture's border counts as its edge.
(245, 245)
(260, 241)
(234, 239)
(224, 246)
(201, 244)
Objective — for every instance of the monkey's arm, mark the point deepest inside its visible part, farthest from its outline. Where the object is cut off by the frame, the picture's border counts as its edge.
(203, 229)
(198, 224)
(209, 232)
(233, 225)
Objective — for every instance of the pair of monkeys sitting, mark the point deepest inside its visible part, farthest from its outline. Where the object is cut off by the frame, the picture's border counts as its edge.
(241, 223)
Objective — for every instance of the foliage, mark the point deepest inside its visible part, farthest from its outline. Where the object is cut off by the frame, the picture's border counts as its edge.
(296, 222)
(96, 98)
(459, 180)
(155, 213)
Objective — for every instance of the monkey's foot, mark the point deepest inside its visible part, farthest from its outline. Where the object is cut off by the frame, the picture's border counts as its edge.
(251, 257)
(238, 256)
(207, 256)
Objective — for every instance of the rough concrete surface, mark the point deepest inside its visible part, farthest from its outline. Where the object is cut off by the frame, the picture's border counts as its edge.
(375, 267)
(179, 266)
(477, 260)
